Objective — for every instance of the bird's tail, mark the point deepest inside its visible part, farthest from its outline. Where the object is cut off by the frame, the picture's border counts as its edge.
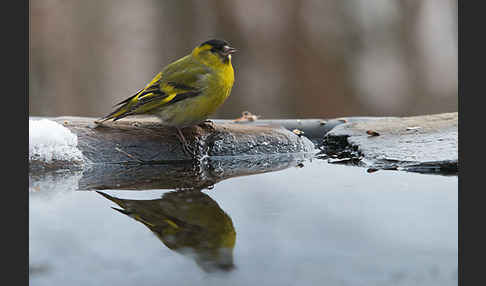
(119, 113)
(124, 109)
(132, 104)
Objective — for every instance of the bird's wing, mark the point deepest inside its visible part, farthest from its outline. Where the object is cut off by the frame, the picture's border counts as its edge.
(178, 81)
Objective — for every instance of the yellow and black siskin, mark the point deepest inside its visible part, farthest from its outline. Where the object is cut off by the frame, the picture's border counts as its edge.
(186, 91)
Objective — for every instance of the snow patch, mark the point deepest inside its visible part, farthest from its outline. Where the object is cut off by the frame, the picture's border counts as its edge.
(50, 141)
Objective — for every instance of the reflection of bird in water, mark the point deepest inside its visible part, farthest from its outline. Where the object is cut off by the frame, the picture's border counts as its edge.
(188, 222)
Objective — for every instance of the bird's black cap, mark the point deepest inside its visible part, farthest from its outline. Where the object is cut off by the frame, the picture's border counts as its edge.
(217, 44)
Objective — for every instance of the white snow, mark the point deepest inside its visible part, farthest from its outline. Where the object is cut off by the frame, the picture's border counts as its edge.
(49, 140)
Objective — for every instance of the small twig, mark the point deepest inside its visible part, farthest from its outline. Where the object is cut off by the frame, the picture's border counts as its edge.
(129, 155)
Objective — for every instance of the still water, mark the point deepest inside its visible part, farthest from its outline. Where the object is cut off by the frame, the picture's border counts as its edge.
(320, 224)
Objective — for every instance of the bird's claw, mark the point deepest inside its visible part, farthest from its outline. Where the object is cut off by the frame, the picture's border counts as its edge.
(209, 124)
(186, 147)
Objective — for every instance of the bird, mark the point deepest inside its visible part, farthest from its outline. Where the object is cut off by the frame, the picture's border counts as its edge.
(188, 222)
(186, 91)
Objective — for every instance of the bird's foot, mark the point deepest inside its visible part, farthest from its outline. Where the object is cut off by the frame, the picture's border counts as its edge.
(208, 124)
(186, 147)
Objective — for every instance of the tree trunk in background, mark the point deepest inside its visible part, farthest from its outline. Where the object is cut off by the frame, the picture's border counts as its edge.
(406, 27)
(434, 85)
(322, 84)
(49, 72)
(89, 66)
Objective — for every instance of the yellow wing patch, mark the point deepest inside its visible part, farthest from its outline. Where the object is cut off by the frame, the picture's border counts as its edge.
(171, 223)
(154, 80)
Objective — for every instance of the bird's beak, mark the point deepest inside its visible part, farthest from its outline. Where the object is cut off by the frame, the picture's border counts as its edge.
(227, 50)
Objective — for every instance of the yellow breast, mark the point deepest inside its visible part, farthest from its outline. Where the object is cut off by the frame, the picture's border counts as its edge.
(195, 110)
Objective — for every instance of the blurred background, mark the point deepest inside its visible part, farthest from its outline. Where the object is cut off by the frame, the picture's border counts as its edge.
(296, 59)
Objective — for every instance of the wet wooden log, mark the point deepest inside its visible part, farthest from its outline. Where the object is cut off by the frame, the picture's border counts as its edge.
(145, 140)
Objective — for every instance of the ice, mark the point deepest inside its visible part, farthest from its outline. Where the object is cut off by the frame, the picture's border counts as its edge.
(49, 140)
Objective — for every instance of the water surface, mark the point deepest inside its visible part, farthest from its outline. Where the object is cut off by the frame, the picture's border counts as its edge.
(321, 224)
